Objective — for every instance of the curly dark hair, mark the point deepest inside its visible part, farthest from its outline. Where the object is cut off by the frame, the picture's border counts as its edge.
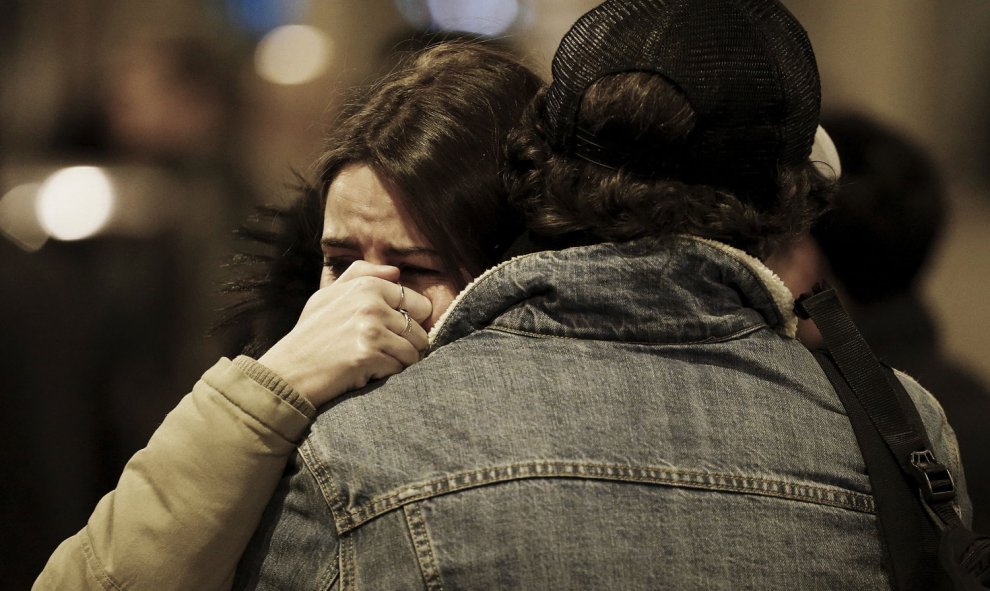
(567, 199)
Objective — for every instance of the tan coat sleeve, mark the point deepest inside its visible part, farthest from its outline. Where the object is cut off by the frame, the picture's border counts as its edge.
(186, 505)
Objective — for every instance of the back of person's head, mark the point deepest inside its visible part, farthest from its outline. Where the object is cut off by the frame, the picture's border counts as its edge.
(675, 117)
(887, 213)
(435, 130)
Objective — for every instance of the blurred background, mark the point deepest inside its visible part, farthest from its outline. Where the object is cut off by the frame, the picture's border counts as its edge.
(135, 136)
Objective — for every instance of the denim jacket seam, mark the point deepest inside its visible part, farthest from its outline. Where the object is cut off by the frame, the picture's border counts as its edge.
(741, 258)
(706, 341)
(426, 556)
(330, 575)
(347, 567)
(812, 493)
(438, 329)
(324, 481)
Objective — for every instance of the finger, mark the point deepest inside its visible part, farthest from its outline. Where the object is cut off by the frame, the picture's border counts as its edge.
(419, 306)
(384, 366)
(411, 331)
(366, 269)
(400, 349)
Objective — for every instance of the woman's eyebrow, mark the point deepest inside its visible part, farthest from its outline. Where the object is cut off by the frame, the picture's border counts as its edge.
(328, 242)
(395, 251)
(411, 250)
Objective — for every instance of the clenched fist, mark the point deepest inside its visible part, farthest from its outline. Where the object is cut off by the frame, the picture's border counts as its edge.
(351, 332)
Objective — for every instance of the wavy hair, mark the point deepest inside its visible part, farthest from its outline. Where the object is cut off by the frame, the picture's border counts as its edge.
(567, 199)
(434, 129)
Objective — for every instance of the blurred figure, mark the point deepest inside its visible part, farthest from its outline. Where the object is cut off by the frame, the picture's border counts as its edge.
(104, 334)
(170, 100)
(873, 246)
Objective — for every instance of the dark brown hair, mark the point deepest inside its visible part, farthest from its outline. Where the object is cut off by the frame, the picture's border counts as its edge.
(435, 130)
(567, 198)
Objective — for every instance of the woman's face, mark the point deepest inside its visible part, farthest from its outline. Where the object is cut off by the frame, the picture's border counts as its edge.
(363, 221)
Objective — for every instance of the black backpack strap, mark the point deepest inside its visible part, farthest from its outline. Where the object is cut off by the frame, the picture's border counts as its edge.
(910, 536)
(884, 399)
(913, 491)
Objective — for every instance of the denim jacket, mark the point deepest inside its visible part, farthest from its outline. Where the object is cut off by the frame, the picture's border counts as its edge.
(616, 416)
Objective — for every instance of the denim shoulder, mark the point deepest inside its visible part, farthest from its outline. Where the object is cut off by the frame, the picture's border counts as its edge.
(296, 544)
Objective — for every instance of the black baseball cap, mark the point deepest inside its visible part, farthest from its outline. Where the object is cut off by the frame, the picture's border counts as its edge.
(745, 66)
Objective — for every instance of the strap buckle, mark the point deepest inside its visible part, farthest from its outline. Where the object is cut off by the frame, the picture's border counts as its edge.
(933, 479)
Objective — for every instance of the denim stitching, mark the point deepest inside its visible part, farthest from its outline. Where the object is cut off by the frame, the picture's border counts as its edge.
(347, 572)
(330, 574)
(809, 493)
(706, 341)
(423, 545)
(736, 256)
(323, 480)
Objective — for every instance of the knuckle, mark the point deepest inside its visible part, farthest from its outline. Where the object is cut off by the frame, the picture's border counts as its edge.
(370, 331)
(371, 309)
(364, 352)
(365, 282)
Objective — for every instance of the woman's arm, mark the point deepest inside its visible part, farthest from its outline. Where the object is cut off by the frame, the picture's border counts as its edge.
(186, 505)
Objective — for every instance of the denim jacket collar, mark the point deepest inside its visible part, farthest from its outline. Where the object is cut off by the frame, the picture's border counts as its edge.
(656, 291)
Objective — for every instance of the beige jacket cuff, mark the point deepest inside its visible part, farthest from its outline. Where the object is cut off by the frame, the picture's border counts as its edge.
(270, 380)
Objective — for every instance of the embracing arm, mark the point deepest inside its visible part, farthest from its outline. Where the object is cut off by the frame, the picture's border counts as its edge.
(186, 505)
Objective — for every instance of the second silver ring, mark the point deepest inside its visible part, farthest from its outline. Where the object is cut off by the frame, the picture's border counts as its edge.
(405, 315)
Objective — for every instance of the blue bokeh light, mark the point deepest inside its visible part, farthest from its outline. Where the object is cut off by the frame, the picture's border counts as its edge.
(483, 17)
(260, 16)
(416, 12)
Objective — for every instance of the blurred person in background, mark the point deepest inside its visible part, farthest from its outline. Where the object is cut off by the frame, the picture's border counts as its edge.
(124, 310)
(411, 206)
(873, 246)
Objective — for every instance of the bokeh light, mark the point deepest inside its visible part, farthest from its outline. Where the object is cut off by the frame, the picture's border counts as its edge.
(18, 217)
(483, 17)
(261, 16)
(416, 12)
(75, 203)
(293, 54)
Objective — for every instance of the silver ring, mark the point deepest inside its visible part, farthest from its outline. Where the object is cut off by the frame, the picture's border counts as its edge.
(402, 296)
(408, 322)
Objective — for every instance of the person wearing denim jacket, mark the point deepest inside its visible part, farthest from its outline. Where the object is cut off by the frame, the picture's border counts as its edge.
(624, 405)
(566, 434)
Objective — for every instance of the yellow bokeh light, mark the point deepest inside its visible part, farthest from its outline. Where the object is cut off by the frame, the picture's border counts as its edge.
(293, 54)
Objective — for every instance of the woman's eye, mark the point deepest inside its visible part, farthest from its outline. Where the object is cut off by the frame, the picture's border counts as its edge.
(336, 266)
(417, 271)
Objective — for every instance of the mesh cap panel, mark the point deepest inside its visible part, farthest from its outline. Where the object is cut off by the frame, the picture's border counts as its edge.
(745, 66)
